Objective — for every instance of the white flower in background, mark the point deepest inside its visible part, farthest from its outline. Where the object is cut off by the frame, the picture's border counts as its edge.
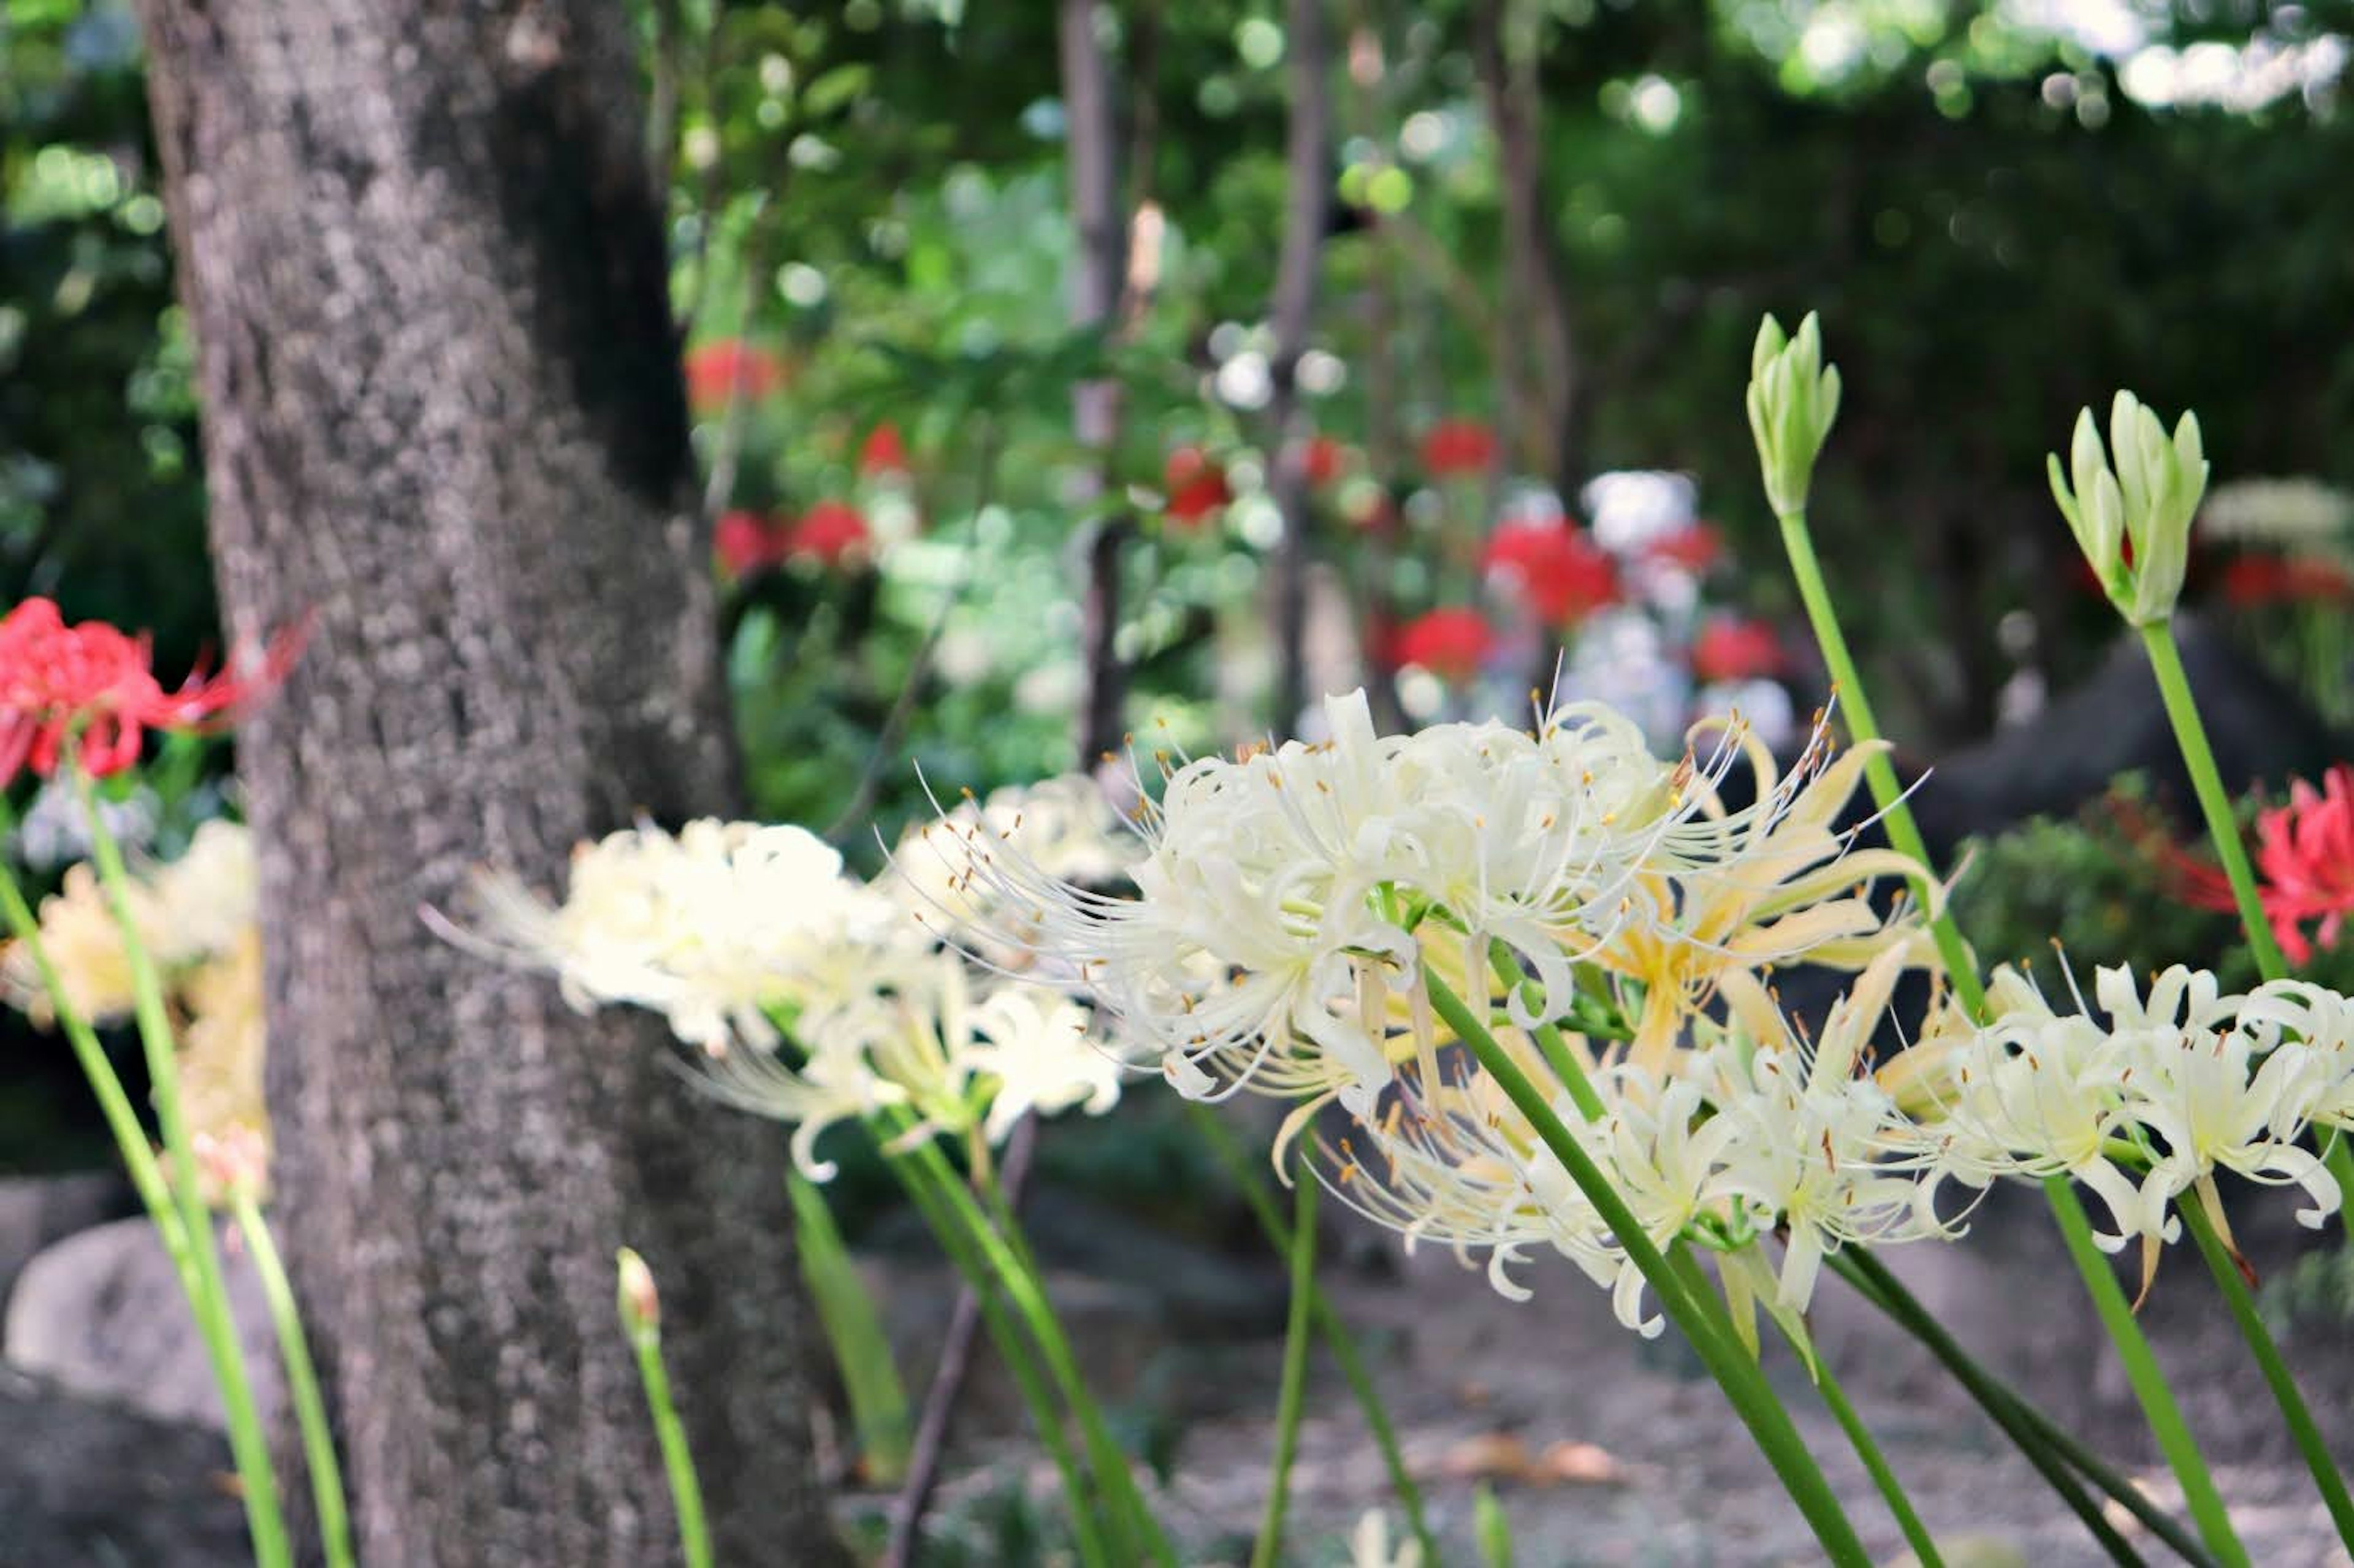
(208, 900)
(836, 1084)
(1369, 1544)
(1066, 827)
(1038, 1049)
(2287, 512)
(711, 928)
(196, 918)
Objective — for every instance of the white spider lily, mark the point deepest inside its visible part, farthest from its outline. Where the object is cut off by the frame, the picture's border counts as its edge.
(1037, 1048)
(1269, 933)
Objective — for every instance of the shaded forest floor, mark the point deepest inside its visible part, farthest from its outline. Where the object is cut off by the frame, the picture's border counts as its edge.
(1607, 1450)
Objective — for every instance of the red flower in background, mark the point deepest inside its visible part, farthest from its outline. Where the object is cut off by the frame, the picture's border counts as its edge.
(2274, 579)
(830, 533)
(1450, 642)
(1730, 648)
(1695, 549)
(1458, 447)
(748, 541)
(728, 367)
(1196, 487)
(1321, 460)
(95, 686)
(1558, 570)
(2303, 862)
(883, 452)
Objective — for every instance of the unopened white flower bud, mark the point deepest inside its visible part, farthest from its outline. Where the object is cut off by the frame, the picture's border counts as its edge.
(2142, 493)
(1793, 400)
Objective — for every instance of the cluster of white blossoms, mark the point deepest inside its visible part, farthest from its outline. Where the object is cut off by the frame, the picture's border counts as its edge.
(811, 997)
(196, 917)
(2177, 1087)
(1595, 901)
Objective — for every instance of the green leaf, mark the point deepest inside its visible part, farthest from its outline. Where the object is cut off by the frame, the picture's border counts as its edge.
(878, 1400)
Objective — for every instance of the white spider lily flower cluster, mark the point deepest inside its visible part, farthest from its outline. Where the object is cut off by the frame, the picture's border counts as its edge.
(814, 998)
(196, 917)
(1758, 1134)
(2175, 1087)
(712, 927)
(1290, 894)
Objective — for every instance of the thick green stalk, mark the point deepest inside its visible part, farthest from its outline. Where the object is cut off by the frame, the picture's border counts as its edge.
(2142, 1371)
(2047, 1445)
(1879, 775)
(2301, 1426)
(1006, 1336)
(1245, 1176)
(1029, 1296)
(2215, 804)
(1744, 1385)
(1859, 1436)
(1916, 1534)
(1292, 1396)
(678, 1460)
(2223, 830)
(302, 1383)
(249, 1444)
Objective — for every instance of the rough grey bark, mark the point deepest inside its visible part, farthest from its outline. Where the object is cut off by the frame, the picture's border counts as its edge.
(1307, 197)
(443, 421)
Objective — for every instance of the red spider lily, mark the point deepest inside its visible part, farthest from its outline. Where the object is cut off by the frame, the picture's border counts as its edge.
(2304, 863)
(1196, 487)
(1452, 643)
(730, 367)
(748, 541)
(1458, 447)
(830, 533)
(2273, 579)
(1321, 460)
(1695, 549)
(1556, 570)
(90, 690)
(1730, 648)
(883, 452)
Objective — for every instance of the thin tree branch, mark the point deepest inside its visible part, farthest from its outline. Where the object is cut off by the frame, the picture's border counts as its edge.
(1508, 81)
(903, 707)
(933, 1425)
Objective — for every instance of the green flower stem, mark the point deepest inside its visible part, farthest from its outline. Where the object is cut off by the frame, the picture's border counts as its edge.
(113, 1100)
(1859, 1436)
(1744, 1385)
(2047, 1445)
(678, 1461)
(1916, 1534)
(302, 1383)
(249, 1444)
(2207, 783)
(2150, 1386)
(1006, 1336)
(2301, 1426)
(1293, 1392)
(1555, 1050)
(2224, 829)
(1029, 1296)
(1879, 774)
(1245, 1176)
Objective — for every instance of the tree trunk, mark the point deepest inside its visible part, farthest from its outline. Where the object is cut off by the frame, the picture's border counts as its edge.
(1308, 209)
(443, 421)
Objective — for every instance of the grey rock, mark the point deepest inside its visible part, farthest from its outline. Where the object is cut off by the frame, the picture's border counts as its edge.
(104, 1484)
(101, 1314)
(35, 1211)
